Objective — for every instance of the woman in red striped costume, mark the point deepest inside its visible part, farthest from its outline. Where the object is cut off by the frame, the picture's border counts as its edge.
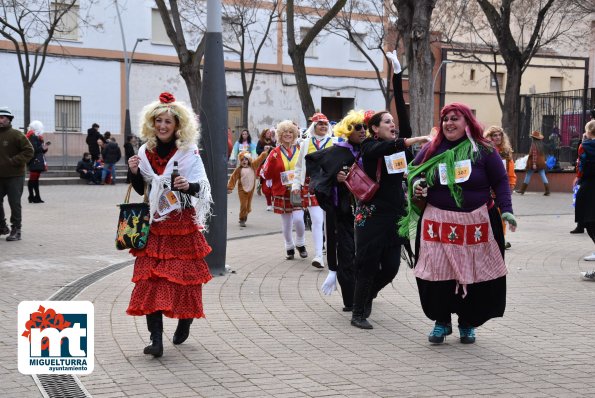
(279, 172)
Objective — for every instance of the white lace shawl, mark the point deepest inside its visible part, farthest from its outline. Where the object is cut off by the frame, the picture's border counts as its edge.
(191, 167)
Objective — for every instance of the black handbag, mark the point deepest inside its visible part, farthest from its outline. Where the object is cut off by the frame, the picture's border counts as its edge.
(133, 223)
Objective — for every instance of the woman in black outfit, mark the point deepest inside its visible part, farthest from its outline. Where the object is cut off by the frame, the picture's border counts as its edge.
(37, 164)
(378, 246)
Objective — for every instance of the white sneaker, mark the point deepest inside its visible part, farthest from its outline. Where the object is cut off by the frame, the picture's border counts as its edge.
(318, 262)
(269, 208)
(590, 258)
(588, 276)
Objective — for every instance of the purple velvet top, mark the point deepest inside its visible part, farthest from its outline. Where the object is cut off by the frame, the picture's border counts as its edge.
(486, 172)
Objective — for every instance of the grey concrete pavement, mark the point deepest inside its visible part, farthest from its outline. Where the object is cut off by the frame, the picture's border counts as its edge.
(270, 332)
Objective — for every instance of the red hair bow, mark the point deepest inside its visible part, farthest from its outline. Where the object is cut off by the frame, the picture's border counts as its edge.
(166, 98)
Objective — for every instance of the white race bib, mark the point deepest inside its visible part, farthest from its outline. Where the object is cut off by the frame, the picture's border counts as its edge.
(168, 202)
(396, 163)
(287, 177)
(462, 171)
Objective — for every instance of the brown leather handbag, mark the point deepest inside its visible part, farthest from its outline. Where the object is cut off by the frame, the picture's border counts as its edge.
(360, 185)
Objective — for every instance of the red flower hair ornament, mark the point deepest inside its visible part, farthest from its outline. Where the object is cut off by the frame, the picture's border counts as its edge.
(166, 98)
(367, 116)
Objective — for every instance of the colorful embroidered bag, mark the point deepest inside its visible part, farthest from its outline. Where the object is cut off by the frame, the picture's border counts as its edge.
(133, 223)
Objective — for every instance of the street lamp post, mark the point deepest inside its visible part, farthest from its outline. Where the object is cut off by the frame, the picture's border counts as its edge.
(444, 62)
(213, 120)
(127, 66)
(128, 62)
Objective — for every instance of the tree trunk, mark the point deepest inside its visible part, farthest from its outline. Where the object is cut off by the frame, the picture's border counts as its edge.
(512, 103)
(193, 81)
(245, 109)
(26, 104)
(301, 78)
(414, 28)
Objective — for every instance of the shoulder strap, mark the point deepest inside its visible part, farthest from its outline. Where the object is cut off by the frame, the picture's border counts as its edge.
(378, 173)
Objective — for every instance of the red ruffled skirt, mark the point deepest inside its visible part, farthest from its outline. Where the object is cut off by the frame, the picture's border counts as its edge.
(170, 271)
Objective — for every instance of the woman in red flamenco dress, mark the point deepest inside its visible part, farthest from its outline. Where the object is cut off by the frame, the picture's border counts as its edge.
(170, 271)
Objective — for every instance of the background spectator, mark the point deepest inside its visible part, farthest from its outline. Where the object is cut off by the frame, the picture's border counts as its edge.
(93, 136)
(86, 170)
(111, 155)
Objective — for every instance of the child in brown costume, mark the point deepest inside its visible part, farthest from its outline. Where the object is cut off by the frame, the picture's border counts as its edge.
(245, 177)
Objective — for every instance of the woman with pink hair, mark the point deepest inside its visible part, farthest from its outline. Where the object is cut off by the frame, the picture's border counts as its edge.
(460, 242)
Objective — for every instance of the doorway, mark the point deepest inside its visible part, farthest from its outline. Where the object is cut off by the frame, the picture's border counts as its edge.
(234, 115)
(336, 108)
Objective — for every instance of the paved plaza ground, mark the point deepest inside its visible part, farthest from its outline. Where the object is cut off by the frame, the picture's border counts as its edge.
(269, 331)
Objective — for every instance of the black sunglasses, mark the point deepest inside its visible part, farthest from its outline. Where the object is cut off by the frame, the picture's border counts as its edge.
(357, 127)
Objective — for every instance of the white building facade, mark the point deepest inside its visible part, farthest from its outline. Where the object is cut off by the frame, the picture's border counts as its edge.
(83, 80)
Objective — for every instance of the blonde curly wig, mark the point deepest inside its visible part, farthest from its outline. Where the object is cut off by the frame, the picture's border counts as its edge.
(186, 123)
(345, 127)
(505, 148)
(286, 125)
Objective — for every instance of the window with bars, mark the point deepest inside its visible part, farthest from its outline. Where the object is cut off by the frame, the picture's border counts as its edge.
(68, 113)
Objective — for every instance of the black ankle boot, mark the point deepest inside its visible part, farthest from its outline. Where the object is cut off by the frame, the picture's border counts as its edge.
(290, 254)
(15, 234)
(360, 299)
(155, 326)
(182, 331)
(302, 250)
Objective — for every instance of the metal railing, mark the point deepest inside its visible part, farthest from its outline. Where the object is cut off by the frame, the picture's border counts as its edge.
(559, 116)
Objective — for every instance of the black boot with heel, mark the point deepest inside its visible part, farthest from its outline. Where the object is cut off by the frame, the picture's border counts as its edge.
(155, 326)
(361, 299)
(182, 331)
(30, 188)
(36, 198)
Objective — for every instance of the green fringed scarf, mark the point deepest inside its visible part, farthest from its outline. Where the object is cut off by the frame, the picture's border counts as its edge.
(463, 151)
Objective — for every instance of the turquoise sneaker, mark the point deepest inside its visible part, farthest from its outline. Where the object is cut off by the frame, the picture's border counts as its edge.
(467, 335)
(441, 330)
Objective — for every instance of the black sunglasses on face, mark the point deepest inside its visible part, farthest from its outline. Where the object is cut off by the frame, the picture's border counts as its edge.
(357, 127)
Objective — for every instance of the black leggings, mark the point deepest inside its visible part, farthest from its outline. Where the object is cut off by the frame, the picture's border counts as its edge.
(590, 227)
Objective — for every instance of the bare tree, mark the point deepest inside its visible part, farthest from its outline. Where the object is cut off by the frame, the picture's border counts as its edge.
(512, 31)
(297, 51)
(413, 26)
(585, 6)
(250, 31)
(31, 26)
(190, 60)
(362, 23)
